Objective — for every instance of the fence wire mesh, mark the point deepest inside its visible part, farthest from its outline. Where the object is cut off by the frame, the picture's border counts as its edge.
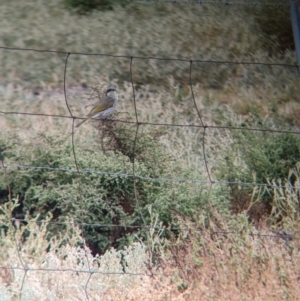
(88, 262)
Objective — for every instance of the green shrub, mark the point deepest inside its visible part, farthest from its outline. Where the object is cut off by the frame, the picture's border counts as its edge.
(265, 156)
(107, 192)
(270, 155)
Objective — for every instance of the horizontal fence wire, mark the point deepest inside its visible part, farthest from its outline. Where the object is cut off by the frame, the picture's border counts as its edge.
(275, 234)
(88, 267)
(222, 62)
(151, 179)
(91, 271)
(274, 4)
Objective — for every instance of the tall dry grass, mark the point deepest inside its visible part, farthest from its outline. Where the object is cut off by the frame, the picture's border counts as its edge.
(205, 32)
(200, 264)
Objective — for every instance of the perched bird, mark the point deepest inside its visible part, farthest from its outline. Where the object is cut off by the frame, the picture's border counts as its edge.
(104, 107)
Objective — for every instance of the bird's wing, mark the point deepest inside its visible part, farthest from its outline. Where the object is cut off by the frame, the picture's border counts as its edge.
(108, 100)
(97, 109)
(102, 105)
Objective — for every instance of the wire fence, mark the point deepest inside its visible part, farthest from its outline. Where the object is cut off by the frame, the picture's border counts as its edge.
(151, 179)
(88, 264)
(236, 3)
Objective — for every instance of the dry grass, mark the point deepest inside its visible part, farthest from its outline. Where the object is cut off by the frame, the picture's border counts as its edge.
(198, 265)
(164, 30)
(237, 267)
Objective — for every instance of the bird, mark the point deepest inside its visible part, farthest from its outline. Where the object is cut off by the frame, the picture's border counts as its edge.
(104, 107)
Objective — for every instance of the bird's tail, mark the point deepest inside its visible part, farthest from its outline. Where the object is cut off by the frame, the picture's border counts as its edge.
(83, 121)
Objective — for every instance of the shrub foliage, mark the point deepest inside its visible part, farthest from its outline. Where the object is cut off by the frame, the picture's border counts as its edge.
(105, 191)
(266, 156)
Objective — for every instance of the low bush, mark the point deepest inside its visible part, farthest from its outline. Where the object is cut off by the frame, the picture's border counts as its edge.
(265, 156)
(113, 202)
